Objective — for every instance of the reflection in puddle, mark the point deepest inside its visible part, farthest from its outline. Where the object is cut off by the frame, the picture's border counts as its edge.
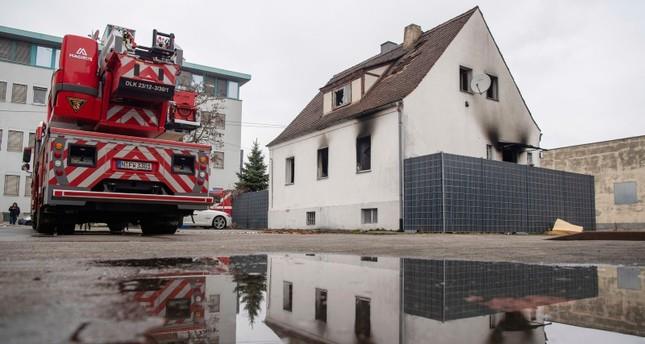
(298, 298)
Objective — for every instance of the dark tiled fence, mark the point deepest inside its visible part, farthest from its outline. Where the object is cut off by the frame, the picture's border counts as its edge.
(453, 193)
(251, 210)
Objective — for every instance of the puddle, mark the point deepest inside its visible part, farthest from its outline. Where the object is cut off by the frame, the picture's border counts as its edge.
(312, 298)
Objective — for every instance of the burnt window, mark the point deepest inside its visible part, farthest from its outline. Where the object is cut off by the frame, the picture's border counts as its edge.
(489, 152)
(362, 321)
(323, 163)
(369, 216)
(509, 155)
(290, 169)
(311, 218)
(341, 96)
(287, 296)
(492, 91)
(321, 304)
(465, 75)
(364, 153)
(529, 158)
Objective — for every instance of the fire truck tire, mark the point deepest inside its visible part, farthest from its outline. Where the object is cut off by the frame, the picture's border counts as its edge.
(158, 227)
(43, 223)
(65, 228)
(116, 227)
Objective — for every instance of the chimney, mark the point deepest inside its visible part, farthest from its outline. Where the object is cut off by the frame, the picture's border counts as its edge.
(388, 46)
(411, 34)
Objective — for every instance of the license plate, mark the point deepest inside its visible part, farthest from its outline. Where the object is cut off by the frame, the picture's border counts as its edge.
(134, 165)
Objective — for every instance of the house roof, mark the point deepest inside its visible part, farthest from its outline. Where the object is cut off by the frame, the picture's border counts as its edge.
(408, 67)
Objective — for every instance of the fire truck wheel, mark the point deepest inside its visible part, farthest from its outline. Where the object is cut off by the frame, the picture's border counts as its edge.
(219, 222)
(43, 223)
(65, 228)
(116, 227)
(158, 227)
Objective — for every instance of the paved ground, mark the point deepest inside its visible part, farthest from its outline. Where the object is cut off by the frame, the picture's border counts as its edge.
(53, 291)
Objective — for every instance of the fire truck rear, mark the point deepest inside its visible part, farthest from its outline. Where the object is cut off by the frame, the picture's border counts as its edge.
(109, 149)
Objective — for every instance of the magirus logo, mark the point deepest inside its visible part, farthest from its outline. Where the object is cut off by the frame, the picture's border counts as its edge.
(81, 54)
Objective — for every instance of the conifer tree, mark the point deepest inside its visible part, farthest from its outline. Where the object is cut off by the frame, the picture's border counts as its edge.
(253, 176)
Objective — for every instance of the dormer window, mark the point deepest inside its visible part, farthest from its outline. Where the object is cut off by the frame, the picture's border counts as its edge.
(341, 96)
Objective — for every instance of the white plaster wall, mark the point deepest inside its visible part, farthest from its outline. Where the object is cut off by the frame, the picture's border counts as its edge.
(436, 118)
(338, 199)
(344, 278)
(356, 90)
(22, 117)
(370, 80)
(227, 177)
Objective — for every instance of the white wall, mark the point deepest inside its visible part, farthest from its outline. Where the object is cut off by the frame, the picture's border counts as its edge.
(344, 278)
(227, 177)
(436, 118)
(21, 117)
(338, 199)
(222, 324)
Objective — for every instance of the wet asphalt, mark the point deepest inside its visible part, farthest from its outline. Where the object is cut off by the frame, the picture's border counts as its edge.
(57, 289)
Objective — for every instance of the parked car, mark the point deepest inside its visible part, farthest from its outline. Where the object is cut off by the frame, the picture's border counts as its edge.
(26, 221)
(208, 218)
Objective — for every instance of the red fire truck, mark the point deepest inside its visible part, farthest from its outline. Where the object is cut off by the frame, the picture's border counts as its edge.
(110, 147)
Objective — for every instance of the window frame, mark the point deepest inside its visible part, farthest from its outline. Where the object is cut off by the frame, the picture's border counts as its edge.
(216, 165)
(489, 152)
(287, 304)
(22, 138)
(28, 181)
(347, 88)
(320, 311)
(631, 200)
(6, 176)
(494, 88)
(290, 170)
(33, 95)
(310, 218)
(469, 76)
(372, 214)
(13, 91)
(3, 97)
(320, 166)
(359, 167)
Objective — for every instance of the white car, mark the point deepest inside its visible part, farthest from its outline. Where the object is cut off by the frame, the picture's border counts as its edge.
(209, 218)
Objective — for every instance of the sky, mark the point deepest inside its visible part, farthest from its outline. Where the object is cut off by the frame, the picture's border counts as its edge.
(579, 64)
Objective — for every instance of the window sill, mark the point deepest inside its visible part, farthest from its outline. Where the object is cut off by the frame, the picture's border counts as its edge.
(363, 171)
(38, 104)
(323, 178)
(288, 184)
(467, 92)
(494, 99)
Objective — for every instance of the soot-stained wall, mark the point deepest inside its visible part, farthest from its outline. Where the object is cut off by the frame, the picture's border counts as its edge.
(453, 193)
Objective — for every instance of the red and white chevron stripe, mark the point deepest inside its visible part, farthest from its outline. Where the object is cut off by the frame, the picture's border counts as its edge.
(148, 71)
(109, 152)
(156, 301)
(132, 115)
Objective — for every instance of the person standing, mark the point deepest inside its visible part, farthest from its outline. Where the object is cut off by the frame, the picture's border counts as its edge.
(14, 211)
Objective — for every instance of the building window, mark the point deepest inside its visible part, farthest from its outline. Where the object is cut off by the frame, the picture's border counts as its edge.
(40, 94)
(290, 168)
(23, 52)
(6, 47)
(19, 93)
(625, 193)
(185, 80)
(492, 91)
(213, 303)
(362, 321)
(32, 140)
(341, 96)
(287, 296)
(364, 153)
(56, 58)
(233, 90)
(369, 215)
(14, 141)
(44, 56)
(323, 163)
(218, 160)
(11, 185)
(222, 88)
(311, 218)
(3, 91)
(321, 304)
(465, 75)
(1, 132)
(219, 121)
(529, 158)
(489, 152)
(209, 86)
(28, 186)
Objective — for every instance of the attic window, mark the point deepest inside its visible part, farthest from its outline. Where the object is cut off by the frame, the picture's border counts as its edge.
(341, 96)
(492, 93)
(465, 75)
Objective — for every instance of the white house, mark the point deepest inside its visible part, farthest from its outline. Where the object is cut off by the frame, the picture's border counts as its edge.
(339, 163)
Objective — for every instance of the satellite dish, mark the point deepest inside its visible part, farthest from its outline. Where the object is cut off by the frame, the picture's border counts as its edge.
(480, 83)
